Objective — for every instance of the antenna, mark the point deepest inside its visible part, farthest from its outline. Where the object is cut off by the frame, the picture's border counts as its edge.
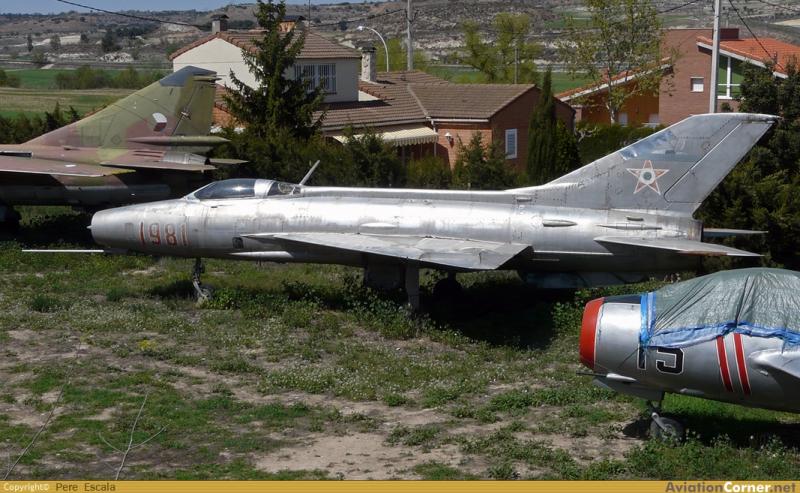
(310, 172)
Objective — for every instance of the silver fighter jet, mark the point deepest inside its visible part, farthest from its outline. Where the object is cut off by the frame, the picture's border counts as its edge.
(622, 218)
(731, 336)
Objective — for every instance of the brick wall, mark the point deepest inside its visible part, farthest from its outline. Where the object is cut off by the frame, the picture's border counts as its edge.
(677, 101)
(518, 115)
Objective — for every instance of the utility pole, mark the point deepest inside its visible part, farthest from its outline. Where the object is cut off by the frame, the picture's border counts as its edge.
(410, 50)
(712, 101)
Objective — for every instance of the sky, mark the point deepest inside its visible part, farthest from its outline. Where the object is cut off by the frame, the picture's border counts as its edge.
(53, 6)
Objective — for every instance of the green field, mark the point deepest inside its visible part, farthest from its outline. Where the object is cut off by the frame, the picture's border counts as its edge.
(44, 79)
(562, 81)
(295, 372)
(14, 101)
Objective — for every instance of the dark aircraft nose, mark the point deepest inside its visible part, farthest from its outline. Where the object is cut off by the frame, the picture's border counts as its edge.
(588, 339)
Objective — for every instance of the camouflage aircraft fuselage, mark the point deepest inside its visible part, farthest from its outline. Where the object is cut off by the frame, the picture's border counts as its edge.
(140, 148)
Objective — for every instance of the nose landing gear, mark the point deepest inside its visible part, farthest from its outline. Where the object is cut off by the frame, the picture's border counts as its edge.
(663, 427)
(203, 292)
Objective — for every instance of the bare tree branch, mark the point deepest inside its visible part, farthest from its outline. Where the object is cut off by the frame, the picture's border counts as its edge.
(130, 447)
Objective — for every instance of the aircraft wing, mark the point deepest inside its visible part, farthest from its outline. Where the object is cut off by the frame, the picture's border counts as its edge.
(16, 164)
(678, 245)
(162, 165)
(771, 361)
(449, 252)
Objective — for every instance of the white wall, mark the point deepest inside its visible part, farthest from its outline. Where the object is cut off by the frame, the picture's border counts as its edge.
(347, 70)
(222, 57)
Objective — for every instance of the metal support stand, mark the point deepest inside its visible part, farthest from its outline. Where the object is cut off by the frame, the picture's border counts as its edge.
(203, 293)
(412, 285)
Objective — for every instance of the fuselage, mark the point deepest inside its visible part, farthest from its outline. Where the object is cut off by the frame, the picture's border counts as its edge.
(124, 187)
(735, 368)
(561, 238)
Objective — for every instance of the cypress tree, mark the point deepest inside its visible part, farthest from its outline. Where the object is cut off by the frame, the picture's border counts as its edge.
(279, 105)
(542, 135)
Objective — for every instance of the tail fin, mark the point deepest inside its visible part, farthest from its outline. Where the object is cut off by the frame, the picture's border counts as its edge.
(179, 104)
(673, 169)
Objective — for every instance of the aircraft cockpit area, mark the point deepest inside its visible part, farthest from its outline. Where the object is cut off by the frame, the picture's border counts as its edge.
(245, 188)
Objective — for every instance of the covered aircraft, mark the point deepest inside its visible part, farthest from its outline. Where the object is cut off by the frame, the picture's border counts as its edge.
(622, 218)
(138, 149)
(732, 336)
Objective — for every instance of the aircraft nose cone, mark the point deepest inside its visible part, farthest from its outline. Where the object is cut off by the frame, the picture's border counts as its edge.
(109, 227)
(588, 339)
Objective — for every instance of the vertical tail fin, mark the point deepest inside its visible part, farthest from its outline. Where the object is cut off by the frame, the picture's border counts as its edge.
(673, 169)
(179, 104)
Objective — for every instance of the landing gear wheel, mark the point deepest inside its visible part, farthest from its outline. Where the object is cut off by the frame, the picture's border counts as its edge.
(203, 292)
(447, 289)
(663, 428)
(10, 224)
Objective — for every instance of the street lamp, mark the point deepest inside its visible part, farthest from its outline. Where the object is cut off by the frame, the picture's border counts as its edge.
(385, 48)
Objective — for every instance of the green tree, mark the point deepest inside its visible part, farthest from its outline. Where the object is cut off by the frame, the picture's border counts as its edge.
(55, 42)
(397, 56)
(374, 161)
(483, 167)
(278, 102)
(761, 192)
(8, 80)
(38, 57)
(622, 40)
(429, 172)
(29, 43)
(507, 58)
(109, 41)
(552, 147)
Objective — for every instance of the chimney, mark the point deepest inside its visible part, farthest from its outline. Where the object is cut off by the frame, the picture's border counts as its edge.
(219, 23)
(369, 72)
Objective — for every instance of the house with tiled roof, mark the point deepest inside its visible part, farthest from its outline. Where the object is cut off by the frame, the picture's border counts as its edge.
(417, 112)
(684, 91)
(321, 61)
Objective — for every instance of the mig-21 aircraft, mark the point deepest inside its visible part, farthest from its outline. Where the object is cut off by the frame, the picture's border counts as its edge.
(139, 149)
(733, 336)
(622, 218)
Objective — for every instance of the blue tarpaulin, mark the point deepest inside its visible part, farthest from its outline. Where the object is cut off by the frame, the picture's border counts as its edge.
(756, 302)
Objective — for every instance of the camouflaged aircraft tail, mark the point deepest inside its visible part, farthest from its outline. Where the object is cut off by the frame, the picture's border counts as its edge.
(674, 169)
(180, 104)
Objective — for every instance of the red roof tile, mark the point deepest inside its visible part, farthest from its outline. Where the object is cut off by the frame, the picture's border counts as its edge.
(774, 50)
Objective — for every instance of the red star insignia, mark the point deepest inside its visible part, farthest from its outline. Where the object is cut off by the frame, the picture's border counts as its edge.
(647, 177)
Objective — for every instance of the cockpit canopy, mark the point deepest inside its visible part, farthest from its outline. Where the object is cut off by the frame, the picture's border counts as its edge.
(245, 188)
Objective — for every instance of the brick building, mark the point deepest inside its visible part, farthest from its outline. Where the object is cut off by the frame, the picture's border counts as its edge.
(418, 113)
(684, 90)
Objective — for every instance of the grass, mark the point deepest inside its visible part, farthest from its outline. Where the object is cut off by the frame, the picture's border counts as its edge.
(287, 358)
(15, 101)
(44, 79)
(562, 81)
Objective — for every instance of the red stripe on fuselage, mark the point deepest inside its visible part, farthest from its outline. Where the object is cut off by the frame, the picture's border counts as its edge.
(723, 364)
(744, 378)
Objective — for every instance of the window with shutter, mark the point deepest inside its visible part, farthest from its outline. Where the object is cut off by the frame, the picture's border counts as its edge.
(511, 143)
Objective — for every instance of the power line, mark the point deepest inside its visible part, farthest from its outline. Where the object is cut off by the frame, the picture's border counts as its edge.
(739, 15)
(363, 18)
(784, 7)
(131, 16)
(677, 7)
